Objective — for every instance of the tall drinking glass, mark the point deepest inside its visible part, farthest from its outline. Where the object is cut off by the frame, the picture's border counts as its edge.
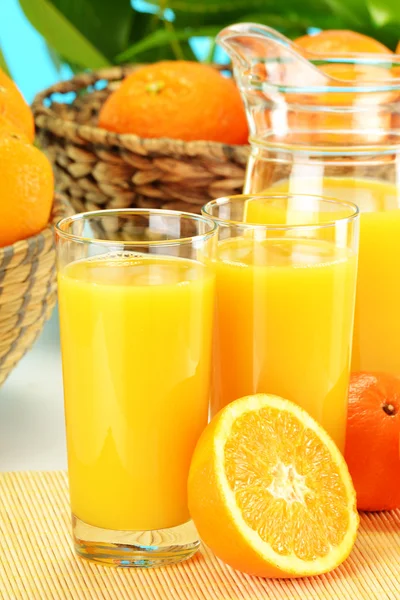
(285, 301)
(136, 301)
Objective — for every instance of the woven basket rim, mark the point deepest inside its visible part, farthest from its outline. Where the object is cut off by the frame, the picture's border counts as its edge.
(59, 208)
(45, 117)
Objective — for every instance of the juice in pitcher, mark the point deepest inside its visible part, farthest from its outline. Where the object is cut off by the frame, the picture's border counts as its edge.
(328, 124)
(376, 345)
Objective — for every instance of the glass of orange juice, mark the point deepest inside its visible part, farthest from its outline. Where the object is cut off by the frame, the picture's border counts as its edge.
(286, 269)
(136, 304)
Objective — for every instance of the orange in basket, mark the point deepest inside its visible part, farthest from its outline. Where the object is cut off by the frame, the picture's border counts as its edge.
(27, 188)
(177, 99)
(370, 121)
(14, 108)
(340, 41)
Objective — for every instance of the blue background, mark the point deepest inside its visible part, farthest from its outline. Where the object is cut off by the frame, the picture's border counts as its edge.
(25, 52)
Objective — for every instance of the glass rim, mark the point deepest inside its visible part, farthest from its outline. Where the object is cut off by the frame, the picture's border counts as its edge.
(225, 200)
(115, 212)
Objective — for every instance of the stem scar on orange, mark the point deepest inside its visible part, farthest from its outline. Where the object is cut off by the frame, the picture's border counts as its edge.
(177, 99)
(270, 492)
(372, 440)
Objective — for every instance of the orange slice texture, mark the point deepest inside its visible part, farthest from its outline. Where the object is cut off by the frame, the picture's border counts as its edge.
(269, 491)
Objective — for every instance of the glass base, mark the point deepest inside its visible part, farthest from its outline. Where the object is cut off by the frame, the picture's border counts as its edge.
(135, 548)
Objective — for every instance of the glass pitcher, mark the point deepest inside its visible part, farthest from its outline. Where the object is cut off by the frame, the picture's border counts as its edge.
(330, 125)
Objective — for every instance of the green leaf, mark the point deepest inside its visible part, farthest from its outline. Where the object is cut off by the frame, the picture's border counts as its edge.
(141, 25)
(104, 23)
(96, 33)
(353, 12)
(194, 13)
(3, 63)
(210, 6)
(164, 53)
(62, 35)
(293, 25)
(388, 35)
(164, 37)
(384, 12)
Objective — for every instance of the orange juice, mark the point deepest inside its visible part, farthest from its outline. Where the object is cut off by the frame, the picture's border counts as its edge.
(284, 321)
(136, 344)
(376, 345)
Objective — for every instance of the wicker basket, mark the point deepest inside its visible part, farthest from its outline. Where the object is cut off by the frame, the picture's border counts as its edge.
(27, 290)
(98, 169)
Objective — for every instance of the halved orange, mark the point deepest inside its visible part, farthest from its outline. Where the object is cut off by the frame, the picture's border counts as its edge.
(270, 492)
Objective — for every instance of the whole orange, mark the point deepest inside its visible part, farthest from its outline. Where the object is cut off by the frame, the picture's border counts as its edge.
(340, 41)
(338, 126)
(14, 108)
(8, 127)
(27, 189)
(372, 440)
(177, 99)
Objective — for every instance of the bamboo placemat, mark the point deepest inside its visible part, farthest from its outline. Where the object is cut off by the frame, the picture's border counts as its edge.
(37, 560)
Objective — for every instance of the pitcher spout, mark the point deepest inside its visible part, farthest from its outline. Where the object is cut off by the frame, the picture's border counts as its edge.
(267, 67)
(297, 96)
(260, 51)
(247, 43)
